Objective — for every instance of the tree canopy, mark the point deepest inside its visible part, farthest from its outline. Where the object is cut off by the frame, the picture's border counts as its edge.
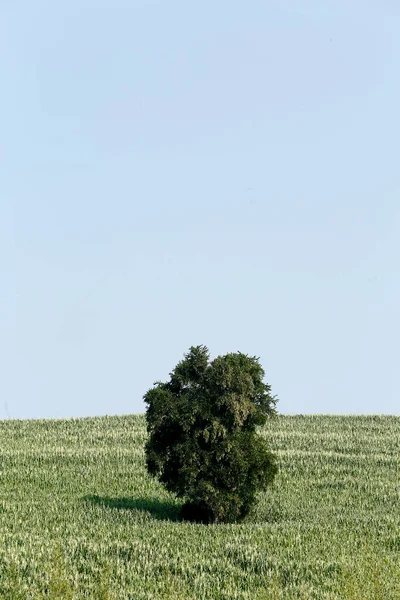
(203, 444)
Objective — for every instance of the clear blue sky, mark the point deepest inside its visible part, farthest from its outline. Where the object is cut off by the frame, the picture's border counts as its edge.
(180, 173)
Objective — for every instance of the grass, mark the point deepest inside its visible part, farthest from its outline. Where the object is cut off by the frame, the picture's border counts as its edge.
(80, 517)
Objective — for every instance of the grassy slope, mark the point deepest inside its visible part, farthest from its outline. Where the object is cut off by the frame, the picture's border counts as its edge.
(79, 517)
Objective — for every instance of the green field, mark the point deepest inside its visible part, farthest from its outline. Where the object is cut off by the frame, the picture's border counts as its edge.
(80, 518)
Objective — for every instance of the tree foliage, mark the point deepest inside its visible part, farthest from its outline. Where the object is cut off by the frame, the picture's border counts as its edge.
(202, 443)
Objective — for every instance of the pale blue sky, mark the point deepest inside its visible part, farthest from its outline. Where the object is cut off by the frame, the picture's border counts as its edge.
(178, 173)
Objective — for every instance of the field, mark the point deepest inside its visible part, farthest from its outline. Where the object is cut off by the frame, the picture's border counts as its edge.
(80, 518)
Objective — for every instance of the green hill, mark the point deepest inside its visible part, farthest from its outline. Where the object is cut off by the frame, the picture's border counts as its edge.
(80, 517)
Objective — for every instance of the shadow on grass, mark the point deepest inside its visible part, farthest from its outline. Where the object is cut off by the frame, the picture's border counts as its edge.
(163, 510)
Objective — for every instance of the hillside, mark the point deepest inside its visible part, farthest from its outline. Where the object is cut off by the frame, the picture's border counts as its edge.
(79, 516)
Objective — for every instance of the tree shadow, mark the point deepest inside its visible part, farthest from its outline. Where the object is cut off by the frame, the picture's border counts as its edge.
(162, 510)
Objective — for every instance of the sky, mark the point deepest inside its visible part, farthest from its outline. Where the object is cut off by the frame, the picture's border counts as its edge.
(219, 173)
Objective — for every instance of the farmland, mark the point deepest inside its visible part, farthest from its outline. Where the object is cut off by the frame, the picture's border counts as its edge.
(80, 517)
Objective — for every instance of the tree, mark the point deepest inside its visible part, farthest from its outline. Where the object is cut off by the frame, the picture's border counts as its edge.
(202, 443)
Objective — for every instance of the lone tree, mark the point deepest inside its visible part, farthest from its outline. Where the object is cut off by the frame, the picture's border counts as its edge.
(202, 442)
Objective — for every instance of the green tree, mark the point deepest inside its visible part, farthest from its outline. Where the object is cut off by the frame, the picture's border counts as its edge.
(202, 443)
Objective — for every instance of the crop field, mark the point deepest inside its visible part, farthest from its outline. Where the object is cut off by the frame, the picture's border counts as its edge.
(80, 517)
